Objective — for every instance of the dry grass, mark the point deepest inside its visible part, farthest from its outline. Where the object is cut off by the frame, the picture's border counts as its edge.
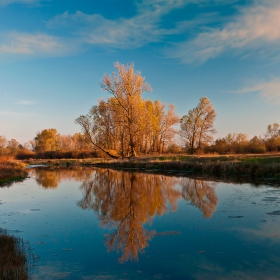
(14, 258)
(253, 166)
(11, 170)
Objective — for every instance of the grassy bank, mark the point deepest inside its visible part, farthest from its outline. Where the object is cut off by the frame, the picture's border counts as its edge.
(252, 166)
(11, 170)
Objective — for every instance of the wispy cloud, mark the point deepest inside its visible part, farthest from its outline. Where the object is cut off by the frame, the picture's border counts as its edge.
(143, 28)
(123, 32)
(269, 90)
(25, 102)
(255, 27)
(15, 43)
(13, 114)
(82, 30)
(8, 2)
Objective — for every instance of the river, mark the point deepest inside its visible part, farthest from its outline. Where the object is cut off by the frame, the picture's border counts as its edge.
(98, 223)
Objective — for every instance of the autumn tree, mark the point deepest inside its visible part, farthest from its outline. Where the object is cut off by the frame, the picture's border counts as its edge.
(126, 124)
(3, 144)
(91, 127)
(157, 126)
(197, 128)
(12, 147)
(47, 140)
(127, 87)
(237, 142)
(257, 145)
(80, 142)
(272, 137)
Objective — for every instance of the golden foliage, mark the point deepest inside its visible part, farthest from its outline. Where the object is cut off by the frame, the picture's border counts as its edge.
(126, 122)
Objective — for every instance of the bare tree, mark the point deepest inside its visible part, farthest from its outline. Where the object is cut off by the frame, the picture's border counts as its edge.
(197, 127)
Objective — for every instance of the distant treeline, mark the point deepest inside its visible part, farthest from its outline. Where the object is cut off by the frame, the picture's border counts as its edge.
(238, 143)
(48, 144)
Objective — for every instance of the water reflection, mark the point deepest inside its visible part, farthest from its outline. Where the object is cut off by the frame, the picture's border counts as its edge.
(125, 201)
(52, 177)
(200, 193)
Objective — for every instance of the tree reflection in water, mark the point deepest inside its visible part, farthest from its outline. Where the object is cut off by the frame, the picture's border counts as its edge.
(125, 201)
(50, 178)
(200, 193)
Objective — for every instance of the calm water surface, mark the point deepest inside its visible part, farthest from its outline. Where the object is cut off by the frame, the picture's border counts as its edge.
(107, 224)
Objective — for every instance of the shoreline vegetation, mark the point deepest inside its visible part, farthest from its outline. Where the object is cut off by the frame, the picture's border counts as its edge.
(11, 171)
(252, 167)
(16, 258)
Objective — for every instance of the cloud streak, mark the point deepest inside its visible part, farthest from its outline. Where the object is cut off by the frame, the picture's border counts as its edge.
(82, 30)
(8, 2)
(147, 26)
(269, 90)
(144, 28)
(123, 32)
(13, 114)
(253, 28)
(25, 102)
(15, 43)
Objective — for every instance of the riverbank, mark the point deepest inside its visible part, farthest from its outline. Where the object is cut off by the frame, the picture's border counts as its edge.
(255, 168)
(251, 166)
(11, 171)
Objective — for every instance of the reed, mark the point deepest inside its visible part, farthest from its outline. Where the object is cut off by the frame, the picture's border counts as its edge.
(14, 257)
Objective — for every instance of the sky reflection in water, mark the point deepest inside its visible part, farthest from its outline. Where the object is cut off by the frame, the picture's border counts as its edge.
(154, 226)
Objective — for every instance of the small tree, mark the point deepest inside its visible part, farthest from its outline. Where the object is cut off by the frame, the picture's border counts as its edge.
(3, 144)
(197, 128)
(13, 146)
(47, 140)
(272, 137)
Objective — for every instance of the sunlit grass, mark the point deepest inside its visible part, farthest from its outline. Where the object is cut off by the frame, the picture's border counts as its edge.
(265, 166)
(11, 170)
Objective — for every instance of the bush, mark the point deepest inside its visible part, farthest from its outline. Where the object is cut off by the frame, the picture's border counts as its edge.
(56, 155)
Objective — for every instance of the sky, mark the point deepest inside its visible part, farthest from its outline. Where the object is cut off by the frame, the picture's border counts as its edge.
(53, 55)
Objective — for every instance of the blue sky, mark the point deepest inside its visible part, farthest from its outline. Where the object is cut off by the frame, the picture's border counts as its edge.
(53, 55)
